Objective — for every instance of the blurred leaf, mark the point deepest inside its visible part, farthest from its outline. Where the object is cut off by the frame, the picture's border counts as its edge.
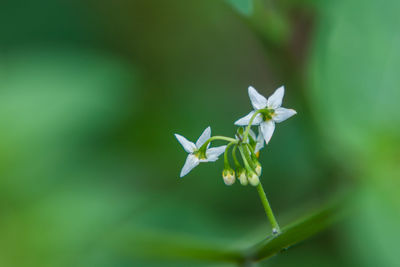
(151, 244)
(147, 243)
(245, 7)
(353, 73)
(56, 105)
(51, 103)
(355, 94)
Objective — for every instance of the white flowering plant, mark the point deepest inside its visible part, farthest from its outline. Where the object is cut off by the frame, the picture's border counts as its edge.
(247, 168)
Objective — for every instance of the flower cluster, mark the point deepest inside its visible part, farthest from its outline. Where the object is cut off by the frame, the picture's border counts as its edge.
(266, 113)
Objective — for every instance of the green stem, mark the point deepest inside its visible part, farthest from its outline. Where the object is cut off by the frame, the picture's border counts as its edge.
(226, 161)
(263, 197)
(247, 156)
(252, 154)
(217, 137)
(248, 164)
(275, 226)
(250, 148)
(246, 132)
(235, 160)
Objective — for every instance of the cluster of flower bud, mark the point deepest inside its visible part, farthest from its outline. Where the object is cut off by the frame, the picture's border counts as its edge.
(244, 177)
(249, 170)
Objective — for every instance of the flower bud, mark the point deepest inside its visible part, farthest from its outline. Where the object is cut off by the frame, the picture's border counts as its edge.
(253, 178)
(258, 169)
(241, 173)
(229, 176)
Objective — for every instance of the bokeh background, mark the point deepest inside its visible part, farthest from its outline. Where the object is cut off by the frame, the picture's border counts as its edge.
(91, 93)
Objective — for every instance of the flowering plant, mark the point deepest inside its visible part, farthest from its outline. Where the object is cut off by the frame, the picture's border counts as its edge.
(266, 113)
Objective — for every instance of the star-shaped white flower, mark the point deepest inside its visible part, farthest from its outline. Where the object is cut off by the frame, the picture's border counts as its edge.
(194, 158)
(276, 112)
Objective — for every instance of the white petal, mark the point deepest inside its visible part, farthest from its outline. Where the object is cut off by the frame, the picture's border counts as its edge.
(191, 162)
(282, 114)
(267, 129)
(204, 137)
(259, 146)
(187, 145)
(213, 153)
(252, 134)
(275, 100)
(260, 142)
(246, 120)
(257, 100)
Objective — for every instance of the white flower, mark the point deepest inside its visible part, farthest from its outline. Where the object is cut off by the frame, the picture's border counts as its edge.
(194, 158)
(276, 112)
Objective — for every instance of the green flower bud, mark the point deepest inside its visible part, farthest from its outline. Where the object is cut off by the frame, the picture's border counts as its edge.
(241, 173)
(229, 176)
(258, 168)
(253, 178)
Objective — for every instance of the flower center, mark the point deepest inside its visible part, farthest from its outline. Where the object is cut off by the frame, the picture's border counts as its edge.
(267, 115)
(200, 154)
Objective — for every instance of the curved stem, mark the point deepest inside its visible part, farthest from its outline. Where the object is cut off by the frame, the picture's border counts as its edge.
(250, 148)
(248, 158)
(217, 137)
(246, 164)
(253, 154)
(226, 161)
(235, 160)
(275, 226)
(246, 132)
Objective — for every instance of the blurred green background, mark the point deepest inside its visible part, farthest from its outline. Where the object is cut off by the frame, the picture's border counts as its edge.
(91, 93)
